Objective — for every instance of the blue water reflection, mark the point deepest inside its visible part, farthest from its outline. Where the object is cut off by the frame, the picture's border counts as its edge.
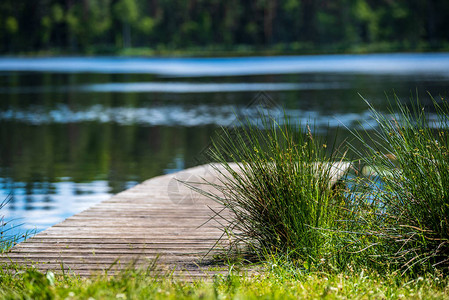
(429, 64)
(75, 130)
(47, 203)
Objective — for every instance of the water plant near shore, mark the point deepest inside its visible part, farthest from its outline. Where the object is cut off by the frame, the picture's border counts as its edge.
(281, 203)
(410, 221)
(8, 237)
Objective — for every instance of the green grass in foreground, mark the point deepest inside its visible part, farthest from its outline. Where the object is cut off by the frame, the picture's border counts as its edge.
(276, 282)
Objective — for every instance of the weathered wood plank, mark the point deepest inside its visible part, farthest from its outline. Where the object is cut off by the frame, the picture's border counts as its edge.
(155, 220)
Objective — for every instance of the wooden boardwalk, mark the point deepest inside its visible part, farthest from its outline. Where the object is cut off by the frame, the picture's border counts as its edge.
(157, 219)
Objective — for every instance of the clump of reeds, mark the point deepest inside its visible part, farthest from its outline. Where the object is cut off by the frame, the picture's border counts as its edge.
(409, 152)
(276, 180)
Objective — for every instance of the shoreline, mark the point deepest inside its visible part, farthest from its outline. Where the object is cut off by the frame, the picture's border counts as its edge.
(237, 51)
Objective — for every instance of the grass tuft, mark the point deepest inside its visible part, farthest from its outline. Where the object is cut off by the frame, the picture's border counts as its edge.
(277, 182)
(409, 153)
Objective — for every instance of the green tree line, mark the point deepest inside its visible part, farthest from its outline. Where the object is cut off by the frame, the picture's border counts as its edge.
(80, 26)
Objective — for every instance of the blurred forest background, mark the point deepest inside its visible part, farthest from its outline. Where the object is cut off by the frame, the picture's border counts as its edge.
(167, 26)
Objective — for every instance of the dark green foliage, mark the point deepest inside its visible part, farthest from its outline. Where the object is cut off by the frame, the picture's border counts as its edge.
(282, 26)
(282, 203)
(411, 215)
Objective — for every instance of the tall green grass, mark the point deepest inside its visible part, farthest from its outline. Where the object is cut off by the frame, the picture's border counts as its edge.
(409, 151)
(276, 182)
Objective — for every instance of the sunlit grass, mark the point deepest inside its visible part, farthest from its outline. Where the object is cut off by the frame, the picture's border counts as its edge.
(274, 281)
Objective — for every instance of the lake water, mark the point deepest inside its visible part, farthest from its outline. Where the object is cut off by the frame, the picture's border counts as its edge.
(74, 131)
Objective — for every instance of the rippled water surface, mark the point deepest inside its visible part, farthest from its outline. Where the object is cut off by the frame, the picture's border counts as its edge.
(74, 131)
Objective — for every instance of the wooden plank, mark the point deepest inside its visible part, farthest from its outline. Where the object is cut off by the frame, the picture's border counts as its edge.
(105, 246)
(126, 241)
(154, 220)
(104, 250)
